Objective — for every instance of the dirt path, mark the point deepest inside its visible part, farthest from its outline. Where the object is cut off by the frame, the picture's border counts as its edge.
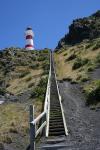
(83, 124)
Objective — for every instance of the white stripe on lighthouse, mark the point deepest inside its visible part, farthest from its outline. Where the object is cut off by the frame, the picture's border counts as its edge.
(29, 42)
(29, 32)
(29, 48)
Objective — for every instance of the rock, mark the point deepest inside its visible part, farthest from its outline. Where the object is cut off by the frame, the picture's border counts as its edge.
(2, 146)
(7, 139)
(7, 95)
(82, 29)
(1, 102)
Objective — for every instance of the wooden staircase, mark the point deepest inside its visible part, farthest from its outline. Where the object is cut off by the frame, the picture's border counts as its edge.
(56, 125)
(57, 138)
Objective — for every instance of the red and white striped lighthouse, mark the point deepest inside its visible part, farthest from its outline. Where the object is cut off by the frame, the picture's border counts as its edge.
(29, 39)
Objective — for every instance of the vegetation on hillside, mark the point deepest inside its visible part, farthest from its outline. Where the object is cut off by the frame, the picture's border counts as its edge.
(40, 90)
(92, 91)
(75, 64)
(23, 79)
(81, 29)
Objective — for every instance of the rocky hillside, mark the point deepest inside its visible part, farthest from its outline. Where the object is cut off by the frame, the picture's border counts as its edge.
(81, 29)
(23, 80)
(77, 57)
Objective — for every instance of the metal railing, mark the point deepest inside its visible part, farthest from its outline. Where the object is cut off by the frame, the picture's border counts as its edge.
(44, 116)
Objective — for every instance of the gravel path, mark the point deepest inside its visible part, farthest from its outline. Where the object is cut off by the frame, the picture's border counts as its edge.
(82, 122)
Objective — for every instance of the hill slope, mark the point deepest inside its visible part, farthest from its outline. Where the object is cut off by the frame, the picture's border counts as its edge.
(78, 59)
(23, 79)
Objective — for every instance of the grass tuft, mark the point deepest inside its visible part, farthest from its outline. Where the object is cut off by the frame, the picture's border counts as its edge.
(92, 92)
(40, 90)
(79, 63)
(71, 57)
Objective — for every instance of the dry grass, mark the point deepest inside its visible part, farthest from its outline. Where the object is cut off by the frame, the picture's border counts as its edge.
(24, 74)
(12, 114)
(18, 85)
(14, 119)
(64, 67)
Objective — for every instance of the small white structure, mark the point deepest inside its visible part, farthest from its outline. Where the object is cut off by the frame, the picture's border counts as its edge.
(29, 39)
(1, 102)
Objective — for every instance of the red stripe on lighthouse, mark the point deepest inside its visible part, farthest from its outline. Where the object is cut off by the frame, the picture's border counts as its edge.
(29, 46)
(29, 37)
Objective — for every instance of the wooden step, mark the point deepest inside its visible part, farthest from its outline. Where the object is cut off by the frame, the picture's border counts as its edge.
(57, 133)
(56, 129)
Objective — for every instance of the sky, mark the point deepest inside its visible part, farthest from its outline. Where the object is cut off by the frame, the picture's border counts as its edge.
(48, 18)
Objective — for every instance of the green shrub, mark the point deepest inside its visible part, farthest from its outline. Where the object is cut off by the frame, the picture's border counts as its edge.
(30, 85)
(59, 51)
(24, 74)
(67, 79)
(28, 79)
(74, 82)
(13, 130)
(19, 55)
(79, 63)
(89, 45)
(71, 57)
(34, 66)
(7, 85)
(6, 70)
(33, 58)
(98, 59)
(21, 62)
(79, 77)
(46, 51)
(43, 82)
(65, 54)
(96, 46)
(84, 79)
(93, 92)
(40, 90)
(6, 139)
(91, 68)
(72, 49)
(41, 58)
(46, 67)
(2, 91)
(2, 63)
(45, 72)
(1, 54)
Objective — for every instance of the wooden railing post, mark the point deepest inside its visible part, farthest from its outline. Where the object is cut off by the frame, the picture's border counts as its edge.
(45, 118)
(32, 129)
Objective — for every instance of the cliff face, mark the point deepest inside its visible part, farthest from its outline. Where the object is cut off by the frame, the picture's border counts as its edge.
(81, 29)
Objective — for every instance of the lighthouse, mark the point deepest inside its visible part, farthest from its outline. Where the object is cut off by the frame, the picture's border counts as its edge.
(29, 39)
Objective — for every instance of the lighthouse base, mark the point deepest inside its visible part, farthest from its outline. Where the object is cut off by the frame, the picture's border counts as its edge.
(29, 48)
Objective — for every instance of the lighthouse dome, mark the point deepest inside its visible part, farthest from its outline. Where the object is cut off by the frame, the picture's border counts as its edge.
(29, 31)
(29, 28)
